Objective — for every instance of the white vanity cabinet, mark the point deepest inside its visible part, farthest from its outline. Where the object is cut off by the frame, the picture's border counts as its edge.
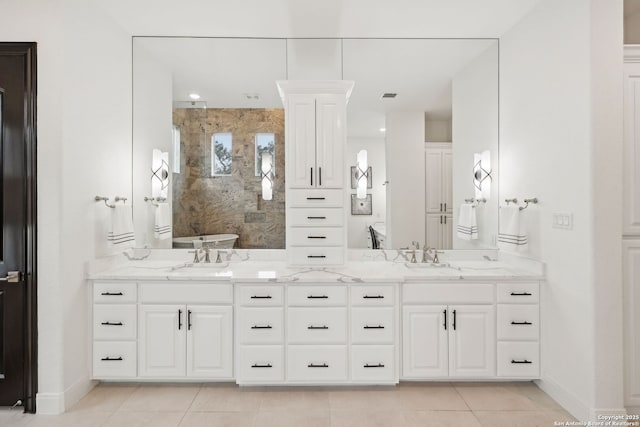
(166, 330)
(448, 330)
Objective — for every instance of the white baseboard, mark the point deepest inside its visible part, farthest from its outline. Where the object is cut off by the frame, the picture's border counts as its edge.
(633, 410)
(50, 403)
(77, 391)
(57, 403)
(565, 398)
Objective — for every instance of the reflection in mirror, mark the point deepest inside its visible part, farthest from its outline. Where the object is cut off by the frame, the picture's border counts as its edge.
(421, 108)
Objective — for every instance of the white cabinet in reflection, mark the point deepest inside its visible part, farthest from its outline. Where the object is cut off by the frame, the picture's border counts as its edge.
(439, 195)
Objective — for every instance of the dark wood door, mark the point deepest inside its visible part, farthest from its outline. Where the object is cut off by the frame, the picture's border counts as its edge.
(17, 185)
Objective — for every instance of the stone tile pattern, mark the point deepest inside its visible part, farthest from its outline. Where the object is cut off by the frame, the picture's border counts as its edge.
(205, 204)
(216, 404)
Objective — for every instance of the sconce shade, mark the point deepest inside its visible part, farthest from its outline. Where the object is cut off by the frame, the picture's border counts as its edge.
(159, 174)
(482, 174)
(361, 174)
(267, 176)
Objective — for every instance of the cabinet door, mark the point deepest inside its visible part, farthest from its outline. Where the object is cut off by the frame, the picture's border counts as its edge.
(162, 331)
(433, 175)
(424, 342)
(472, 341)
(631, 292)
(209, 342)
(447, 231)
(434, 230)
(631, 199)
(301, 141)
(447, 180)
(331, 140)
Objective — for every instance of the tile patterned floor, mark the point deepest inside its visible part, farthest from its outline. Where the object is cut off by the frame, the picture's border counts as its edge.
(407, 405)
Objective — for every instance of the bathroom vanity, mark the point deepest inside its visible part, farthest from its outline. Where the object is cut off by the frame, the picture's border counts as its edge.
(259, 322)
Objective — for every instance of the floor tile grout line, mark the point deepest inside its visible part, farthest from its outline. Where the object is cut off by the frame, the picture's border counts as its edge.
(461, 397)
(188, 410)
(136, 388)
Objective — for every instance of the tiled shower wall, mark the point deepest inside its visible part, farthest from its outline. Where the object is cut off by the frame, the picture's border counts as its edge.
(205, 204)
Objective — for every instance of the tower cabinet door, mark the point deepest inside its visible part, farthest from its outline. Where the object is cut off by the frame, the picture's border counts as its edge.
(330, 140)
(162, 332)
(435, 222)
(209, 341)
(472, 341)
(301, 141)
(433, 175)
(424, 342)
(447, 231)
(447, 180)
(631, 187)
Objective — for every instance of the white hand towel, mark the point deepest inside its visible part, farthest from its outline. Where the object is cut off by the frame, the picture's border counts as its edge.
(162, 226)
(120, 233)
(511, 234)
(467, 223)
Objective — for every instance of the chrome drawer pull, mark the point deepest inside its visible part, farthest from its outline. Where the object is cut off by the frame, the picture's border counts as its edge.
(317, 297)
(379, 365)
(373, 327)
(312, 365)
(520, 294)
(261, 327)
(261, 297)
(268, 365)
(111, 323)
(317, 327)
(525, 361)
(111, 359)
(373, 297)
(316, 217)
(522, 323)
(316, 256)
(112, 294)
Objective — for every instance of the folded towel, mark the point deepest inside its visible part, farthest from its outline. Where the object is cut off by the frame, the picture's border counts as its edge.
(120, 233)
(162, 226)
(467, 223)
(511, 234)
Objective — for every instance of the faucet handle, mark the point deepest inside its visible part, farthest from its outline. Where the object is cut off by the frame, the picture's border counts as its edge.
(206, 254)
(196, 256)
(218, 252)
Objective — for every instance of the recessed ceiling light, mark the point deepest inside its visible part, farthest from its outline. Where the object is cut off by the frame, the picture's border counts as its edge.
(389, 95)
(194, 96)
(383, 129)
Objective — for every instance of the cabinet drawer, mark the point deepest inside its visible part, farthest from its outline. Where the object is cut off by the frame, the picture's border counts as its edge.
(372, 325)
(518, 293)
(518, 359)
(316, 236)
(373, 363)
(114, 322)
(317, 363)
(315, 217)
(372, 295)
(174, 293)
(518, 322)
(260, 325)
(260, 295)
(309, 255)
(261, 363)
(317, 325)
(114, 292)
(448, 293)
(114, 359)
(319, 296)
(315, 198)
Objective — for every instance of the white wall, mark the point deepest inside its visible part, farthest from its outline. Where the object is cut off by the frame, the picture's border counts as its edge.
(437, 130)
(152, 110)
(550, 86)
(404, 142)
(357, 225)
(474, 100)
(632, 29)
(84, 128)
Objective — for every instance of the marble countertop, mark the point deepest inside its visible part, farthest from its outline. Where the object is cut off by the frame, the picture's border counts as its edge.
(369, 271)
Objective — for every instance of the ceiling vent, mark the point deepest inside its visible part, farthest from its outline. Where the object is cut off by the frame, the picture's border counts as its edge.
(389, 95)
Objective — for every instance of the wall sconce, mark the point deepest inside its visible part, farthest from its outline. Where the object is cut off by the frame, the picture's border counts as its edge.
(362, 174)
(482, 174)
(159, 174)
(267, 176)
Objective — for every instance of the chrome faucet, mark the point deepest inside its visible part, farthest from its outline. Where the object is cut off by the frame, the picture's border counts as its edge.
(413, 256)
(196, 255)
(207, 259)
(218, 259)
(426, 256)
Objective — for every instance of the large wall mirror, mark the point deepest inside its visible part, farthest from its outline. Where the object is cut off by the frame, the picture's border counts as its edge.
(209, 109)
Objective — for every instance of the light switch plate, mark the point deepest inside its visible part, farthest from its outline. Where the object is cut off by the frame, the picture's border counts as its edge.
(563, 220)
